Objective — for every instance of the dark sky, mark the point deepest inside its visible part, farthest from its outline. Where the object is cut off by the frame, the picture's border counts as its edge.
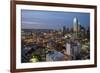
(51, 19)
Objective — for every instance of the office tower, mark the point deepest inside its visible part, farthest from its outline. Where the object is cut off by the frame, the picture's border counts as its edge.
(75, 24)
(76, 27)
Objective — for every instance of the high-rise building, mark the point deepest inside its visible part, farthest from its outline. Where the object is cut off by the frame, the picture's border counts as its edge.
(76, 27)
(64, 30)
(75, 24)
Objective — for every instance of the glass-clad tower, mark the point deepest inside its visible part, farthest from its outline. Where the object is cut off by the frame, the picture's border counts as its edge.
(76, 27)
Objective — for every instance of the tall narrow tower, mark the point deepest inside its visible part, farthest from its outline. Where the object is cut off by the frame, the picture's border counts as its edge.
(75, 24)
(75, 27)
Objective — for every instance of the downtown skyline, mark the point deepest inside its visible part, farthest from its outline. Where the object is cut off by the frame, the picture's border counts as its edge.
(40, 19)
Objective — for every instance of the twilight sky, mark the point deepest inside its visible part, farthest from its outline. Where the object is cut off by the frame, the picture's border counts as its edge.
(51, 19)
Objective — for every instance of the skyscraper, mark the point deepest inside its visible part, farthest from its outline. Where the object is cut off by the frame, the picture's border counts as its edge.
(75, 24)
(76, 27)
(64, 30)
